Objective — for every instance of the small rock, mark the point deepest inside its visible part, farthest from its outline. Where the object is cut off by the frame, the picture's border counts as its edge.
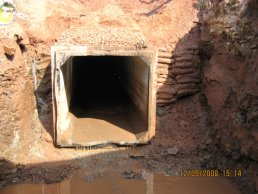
(208, 141)
(9, 51)
(203, 146)
(207, 157)
(173, 151)
(136, 156)
(9, 46)
(128, 175)
(132, 175)
(90, 178)
(162, 111)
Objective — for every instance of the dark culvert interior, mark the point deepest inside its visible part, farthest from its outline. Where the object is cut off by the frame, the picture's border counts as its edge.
(108, 98)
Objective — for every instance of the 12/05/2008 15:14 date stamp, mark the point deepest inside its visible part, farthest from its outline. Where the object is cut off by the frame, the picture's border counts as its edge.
(210, 173)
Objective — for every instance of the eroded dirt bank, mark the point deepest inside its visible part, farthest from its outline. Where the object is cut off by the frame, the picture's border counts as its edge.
(206, 87)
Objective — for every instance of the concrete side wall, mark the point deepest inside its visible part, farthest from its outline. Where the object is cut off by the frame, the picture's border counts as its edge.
(137, 84)
(67, 71)
(61, 98)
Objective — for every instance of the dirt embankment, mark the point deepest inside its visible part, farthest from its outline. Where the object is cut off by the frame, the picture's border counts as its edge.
(230, 74)
(229, 56)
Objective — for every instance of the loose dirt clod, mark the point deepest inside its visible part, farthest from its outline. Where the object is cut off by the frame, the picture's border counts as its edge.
(173, 150)
(208, 141)
(9, 46)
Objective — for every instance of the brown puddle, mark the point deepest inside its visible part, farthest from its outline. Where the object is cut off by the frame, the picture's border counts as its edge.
(114, 184)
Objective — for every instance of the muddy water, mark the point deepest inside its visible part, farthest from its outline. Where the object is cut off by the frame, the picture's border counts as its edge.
(114, 184)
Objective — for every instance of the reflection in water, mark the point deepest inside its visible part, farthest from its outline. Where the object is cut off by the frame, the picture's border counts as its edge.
(113, 184)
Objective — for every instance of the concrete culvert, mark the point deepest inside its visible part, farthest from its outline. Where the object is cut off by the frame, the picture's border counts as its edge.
(103, 97)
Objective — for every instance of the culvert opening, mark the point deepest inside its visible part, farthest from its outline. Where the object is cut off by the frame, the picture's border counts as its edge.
(101, 105)
(102, 99)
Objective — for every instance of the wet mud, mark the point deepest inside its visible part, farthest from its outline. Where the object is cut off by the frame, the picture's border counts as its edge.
(148, 183)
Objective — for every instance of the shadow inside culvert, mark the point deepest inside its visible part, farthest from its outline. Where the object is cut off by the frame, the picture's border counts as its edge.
(100, 90)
